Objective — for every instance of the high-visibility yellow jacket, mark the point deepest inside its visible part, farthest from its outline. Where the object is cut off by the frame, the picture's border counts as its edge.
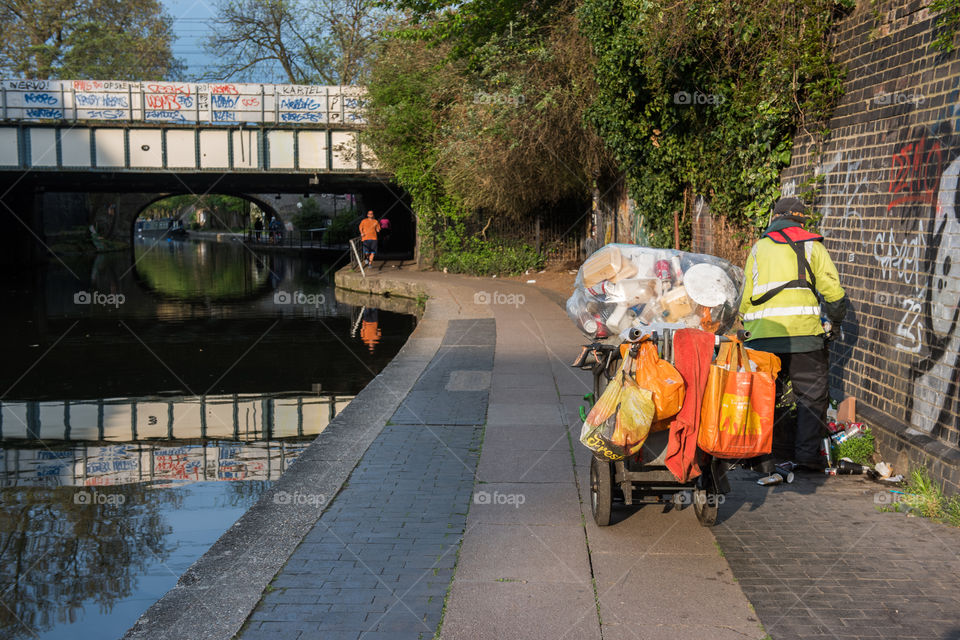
(794, 312)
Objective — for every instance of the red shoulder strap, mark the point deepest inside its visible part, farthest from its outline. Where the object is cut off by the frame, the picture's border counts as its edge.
(797, 234)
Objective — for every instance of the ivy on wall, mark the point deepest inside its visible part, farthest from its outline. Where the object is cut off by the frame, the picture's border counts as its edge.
(705, 97)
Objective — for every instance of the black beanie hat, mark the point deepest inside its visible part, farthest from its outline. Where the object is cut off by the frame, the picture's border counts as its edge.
(789, 207)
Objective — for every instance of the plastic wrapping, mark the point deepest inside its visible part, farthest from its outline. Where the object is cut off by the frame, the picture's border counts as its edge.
(624, 286)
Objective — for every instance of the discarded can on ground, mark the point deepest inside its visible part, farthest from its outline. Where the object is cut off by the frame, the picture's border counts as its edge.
(848, 468)
(855, 430)
(786, 474)
(826, 451)
(830, 471)
(774, 478)
(785, 469)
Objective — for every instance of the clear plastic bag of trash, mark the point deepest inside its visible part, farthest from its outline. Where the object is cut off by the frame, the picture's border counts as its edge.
(624, 286)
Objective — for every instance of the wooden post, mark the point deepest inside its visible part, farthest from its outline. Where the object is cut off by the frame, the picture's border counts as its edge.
(676, 229)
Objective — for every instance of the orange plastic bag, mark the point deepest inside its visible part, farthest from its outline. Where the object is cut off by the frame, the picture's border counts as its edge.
(662, 379)
(736, 418)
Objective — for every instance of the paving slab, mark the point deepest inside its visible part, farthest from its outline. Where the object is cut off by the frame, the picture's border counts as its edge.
(509, 381)
(454, 387)
(530, 437)
(516, 552)
(520, 610)
(515, 465)
(526, 503)
(525, 413)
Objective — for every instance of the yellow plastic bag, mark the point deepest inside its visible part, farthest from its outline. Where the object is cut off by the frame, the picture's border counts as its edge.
(619, 422)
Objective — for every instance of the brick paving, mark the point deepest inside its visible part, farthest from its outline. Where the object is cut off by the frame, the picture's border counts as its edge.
(818, 560)
(380, 559)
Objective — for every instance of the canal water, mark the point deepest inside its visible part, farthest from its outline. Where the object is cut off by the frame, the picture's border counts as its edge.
(147, 399)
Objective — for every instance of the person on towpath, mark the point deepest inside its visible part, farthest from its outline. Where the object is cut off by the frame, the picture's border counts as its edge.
(790, 283)
(369, 227)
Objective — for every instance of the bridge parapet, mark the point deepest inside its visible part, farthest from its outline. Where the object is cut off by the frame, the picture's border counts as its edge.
(224, 103)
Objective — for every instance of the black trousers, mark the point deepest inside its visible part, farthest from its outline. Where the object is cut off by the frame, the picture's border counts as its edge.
(808, 374)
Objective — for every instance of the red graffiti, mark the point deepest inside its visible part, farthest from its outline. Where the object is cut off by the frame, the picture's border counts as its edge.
(915, 172)
(87, 85)
(176, 89)
(227, 89)
(250, 102)
(163, 102)
(177, 467)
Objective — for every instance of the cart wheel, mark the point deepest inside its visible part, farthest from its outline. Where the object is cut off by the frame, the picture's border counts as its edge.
(706, 506)
(601, 494)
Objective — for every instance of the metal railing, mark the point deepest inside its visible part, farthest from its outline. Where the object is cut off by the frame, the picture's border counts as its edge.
(297, 238)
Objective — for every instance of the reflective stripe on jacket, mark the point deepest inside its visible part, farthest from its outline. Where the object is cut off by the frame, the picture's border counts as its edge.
(795, 311)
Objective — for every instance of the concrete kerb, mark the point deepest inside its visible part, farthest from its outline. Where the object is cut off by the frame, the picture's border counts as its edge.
(216, 595)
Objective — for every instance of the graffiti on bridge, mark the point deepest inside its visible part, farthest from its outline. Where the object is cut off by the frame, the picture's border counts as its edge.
(181, 102)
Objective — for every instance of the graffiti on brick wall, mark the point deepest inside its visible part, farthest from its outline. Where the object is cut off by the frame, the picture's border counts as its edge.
(845, 185)
(914, 248)
(937, 376)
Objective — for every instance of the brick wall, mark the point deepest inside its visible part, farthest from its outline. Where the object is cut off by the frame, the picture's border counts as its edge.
(888, 194)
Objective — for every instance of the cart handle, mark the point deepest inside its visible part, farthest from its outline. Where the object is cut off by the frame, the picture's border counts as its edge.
(636, 335)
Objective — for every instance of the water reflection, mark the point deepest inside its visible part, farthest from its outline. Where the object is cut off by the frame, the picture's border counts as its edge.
(132, 435)
(214, 438)
(246, 417)
(370, 328)
(186, 270)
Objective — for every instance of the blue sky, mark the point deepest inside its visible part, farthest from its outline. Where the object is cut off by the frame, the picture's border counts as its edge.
(191, 25)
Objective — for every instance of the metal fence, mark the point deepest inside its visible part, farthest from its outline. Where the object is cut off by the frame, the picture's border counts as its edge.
(297, 238)
(557, 238)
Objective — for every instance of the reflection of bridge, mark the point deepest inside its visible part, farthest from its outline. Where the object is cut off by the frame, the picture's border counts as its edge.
(235, 417)
(120, 441)
(171, 461)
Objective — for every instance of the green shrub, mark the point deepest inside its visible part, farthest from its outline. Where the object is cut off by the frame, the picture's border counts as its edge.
(342, 228)
(922, 496)
(481, 258)
(953, 511)
(859, 449)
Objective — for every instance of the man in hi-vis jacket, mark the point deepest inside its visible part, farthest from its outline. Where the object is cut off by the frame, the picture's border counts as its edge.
(790, 284)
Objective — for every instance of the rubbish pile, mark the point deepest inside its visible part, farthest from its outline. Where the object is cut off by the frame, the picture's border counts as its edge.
(846, 451)
(624, 286)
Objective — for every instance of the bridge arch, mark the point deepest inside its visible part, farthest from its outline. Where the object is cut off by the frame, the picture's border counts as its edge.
(143, 204)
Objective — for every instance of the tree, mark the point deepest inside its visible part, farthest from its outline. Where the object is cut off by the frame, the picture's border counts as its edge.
(103, 39)
(477, 109)
(328, 41)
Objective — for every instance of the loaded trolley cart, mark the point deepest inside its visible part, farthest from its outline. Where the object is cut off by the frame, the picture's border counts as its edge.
(643, 478)
(668, 407)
